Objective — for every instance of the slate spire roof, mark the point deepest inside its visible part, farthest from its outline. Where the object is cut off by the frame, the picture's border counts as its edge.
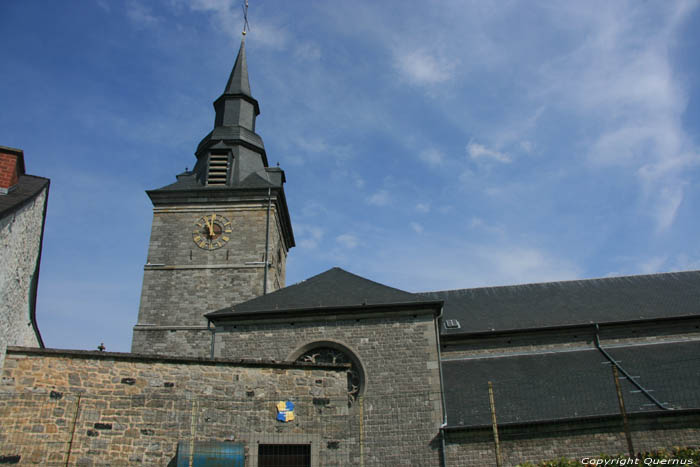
(238, 81)
(231, 162)
(334, 289)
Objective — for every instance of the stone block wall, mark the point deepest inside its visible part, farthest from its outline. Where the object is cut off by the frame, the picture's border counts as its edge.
(182, 282)
(20, 248)
(401, 409)
(573, 439)
(93, 408)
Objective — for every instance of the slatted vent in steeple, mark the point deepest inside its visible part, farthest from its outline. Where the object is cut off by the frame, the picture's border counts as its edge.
(218, 169)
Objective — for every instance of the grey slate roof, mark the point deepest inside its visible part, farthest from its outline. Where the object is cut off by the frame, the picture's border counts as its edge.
(28, 186)
(571, 302)
(188, 181)
(332, 289)
(238, 82)
(571, 384)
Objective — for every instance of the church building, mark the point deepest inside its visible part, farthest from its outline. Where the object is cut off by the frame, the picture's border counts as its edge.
(229, 361)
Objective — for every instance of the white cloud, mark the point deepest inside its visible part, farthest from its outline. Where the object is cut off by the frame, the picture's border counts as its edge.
(308, 51)
(620, 83)
(478, 151)
(665, 206)
(417, 228)
(526, 264)
(477, 223)
(104, 5)
(380, 198)
(423, 207)
(527, 146)
(309, 236)
(652, 265)
(432, 157)
(311, 144)
(422, 66)
(451, 263)
(226, 14)
(347, 240)
(140, 14)
(685, 262)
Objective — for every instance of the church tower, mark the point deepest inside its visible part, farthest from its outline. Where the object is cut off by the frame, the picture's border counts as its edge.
(220, 233)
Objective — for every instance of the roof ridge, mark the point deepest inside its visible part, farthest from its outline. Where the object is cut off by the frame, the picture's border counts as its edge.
(370, 280)
(569, 281)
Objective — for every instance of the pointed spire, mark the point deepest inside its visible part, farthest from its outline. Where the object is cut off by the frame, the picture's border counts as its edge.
(236, 107)
(238, 81)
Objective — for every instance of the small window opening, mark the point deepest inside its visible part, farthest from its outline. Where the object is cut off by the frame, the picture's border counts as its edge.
(284, 455)
(218, 169)
(452, 324)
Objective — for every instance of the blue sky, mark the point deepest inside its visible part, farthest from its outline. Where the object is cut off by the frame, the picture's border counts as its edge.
(427, 145)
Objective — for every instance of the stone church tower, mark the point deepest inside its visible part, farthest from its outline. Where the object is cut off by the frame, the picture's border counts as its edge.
(220, 233)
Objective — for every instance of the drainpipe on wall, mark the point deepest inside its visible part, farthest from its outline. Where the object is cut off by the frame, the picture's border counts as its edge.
(627, 375)
(442, 390)
(267, 240)
(212, 330)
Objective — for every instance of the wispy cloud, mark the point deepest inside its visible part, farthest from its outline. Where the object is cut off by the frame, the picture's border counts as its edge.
(423, 66)
(227, 13)
(432, 157)
(140, 14)
(478, 151)
(380, 198)
(347, 240)
(308, 51)
(423, 207)
(417, 228)
(621, 77)
(442, 264)
(309, 235)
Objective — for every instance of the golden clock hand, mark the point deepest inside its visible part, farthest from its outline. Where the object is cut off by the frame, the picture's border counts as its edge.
(210, 225)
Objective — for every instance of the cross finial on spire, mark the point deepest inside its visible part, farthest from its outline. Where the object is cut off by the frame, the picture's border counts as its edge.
(246, 26)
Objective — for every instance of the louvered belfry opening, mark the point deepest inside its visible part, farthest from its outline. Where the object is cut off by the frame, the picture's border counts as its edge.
(284, 455)
(218, 169)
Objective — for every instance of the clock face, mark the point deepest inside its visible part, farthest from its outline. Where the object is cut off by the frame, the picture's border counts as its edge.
(211, 232)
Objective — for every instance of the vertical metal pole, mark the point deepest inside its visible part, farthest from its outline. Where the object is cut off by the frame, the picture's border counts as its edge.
(361, 400)
(267, 239)
(192, 432)
(621, 401)
(495, 426)
(72, 433)
(443, 451)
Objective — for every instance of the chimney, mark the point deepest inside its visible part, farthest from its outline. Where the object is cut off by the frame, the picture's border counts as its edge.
(11, 168)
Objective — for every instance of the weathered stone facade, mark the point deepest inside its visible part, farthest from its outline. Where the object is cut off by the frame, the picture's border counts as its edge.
(401, 404)
(182, 281)
(20, 251)
(92, 408)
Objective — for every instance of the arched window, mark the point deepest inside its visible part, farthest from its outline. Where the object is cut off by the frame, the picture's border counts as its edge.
(331, 352)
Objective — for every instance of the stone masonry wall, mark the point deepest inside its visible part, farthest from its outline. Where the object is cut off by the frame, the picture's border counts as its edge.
(119, 409)
(572, 439)
(400, 409)
(20, 240)
(182, 282)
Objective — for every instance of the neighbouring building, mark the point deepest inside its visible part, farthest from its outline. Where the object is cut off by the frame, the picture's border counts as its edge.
(227, 362)
(22, 214)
